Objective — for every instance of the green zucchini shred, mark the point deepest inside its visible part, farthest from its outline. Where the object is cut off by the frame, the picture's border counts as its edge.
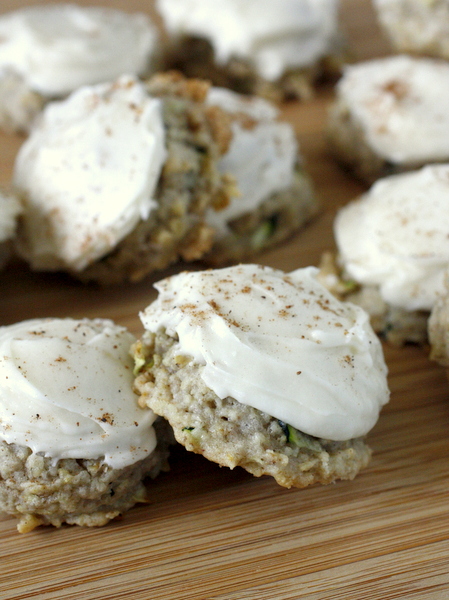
(263, 233)
(140, 363)
(302, 440)
(350, 285)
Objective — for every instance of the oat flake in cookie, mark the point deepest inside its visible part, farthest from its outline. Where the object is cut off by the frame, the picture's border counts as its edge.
(115, 180)
(256, 368)
(74, 444)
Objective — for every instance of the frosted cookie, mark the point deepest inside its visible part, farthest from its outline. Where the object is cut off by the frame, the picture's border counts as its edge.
(273, 49)
(74, 444)
(393, 251)
(10, 210)
(115, 180)
(272, 195)
(49, 51)
(416, 26)
(256, 368)
(390, 115)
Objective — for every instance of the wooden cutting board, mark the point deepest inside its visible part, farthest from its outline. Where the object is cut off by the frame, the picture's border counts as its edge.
(215, 533)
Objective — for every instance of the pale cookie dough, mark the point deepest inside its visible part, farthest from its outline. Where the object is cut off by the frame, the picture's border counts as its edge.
(10, 210)
(438, 329)
(256, 368)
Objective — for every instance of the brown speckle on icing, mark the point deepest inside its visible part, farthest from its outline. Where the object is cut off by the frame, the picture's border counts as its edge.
(397, 88)
(107, 418)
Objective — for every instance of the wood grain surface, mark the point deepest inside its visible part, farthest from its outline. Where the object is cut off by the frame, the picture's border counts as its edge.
(211, 533)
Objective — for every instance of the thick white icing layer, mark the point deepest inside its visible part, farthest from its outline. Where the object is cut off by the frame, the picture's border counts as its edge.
(396, 237)
(274, 36)
(278, 342)
(401, 104)
(58, 48)
(261, 156)
(88, 172)
(66, 391)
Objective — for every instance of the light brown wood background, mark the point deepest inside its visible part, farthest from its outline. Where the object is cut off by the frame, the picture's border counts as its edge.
(221, 534)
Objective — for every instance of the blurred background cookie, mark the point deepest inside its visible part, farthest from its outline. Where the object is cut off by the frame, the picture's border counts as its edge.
(273, 49)
(390, 115)
(393, 251)
(271, 194)
(50, 50)
(416, 26)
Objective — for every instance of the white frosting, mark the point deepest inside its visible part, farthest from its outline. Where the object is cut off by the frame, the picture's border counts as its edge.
(280, 343)
(66, 391)
(58, 48)
(401, 105)
(88, 172)
(261, 156)
(396, 237)
(252, 106)
(9, 211)
(416, 25)
(274, 36)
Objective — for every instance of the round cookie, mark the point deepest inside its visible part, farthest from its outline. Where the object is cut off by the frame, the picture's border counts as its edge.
(74, 444)
(390, 116)
(115, 180)
(393, 251)
(256, 368)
